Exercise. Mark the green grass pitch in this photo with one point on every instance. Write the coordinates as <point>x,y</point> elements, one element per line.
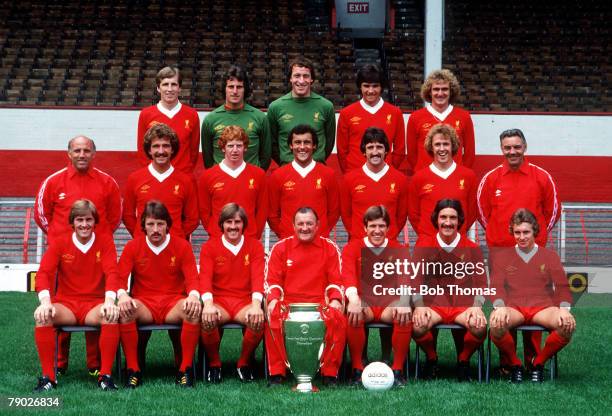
<point>584,385</point>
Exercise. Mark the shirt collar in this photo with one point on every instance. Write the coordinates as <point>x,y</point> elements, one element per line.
<point>526,256</point>
<point>296,242</point>
<point>235,249</point>
<point>375,249</point>
<point>303,171</point>
<point>524,168</point>
<point>234,173</point>
<point>72,171</point>
<point>156,249</point>
<point>169,113</point>
<point>375,176</point>
<point>84,248</point>
<point>448,247</point>
<point>160,176</point>
<point>440,116</point>
<point>443,174</point>
<point>372,109</point>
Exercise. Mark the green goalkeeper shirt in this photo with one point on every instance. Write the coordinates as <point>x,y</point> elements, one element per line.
<point>252,120</point>
<point>287,112</point>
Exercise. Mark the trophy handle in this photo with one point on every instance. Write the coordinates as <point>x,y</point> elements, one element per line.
<point>339,289</point>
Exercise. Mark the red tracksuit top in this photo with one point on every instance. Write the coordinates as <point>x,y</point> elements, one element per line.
<point>79,275</point>
<point>419,124</point>
<point>427,188</point>
<point>359,191</point>
<point>502,191</point>
<point>249,190</point>
<point>186,125</point>
<point>177,192</point>
<point>303,270</point>
<point>59,191</point>
<point>171,272</point>
<point>353,122</point>
<point>227,275</point>
<point>288,192</point>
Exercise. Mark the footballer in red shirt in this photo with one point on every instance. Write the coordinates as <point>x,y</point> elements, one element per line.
<point>303,182</point>
<point>532,290</point>
<point>181,118</point>
<point>442,179</point>
<point>370,111</point>
<point>440,90</point>
<point>161,181</point>
<point>305,268</point>
<point>449,246</point>
<point>233,180</point>
<point>231,283</point>
<point>375,183</point>
<point>164,290</point>
<point>376,222</point>
<point>85,267</point>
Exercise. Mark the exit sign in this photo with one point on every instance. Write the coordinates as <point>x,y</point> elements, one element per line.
<point>358,8</point>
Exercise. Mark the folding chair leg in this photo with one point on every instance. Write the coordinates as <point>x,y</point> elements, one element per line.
<point>488,361</point>
<point>416,362</point>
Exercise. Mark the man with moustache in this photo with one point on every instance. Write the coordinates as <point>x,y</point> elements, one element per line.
<point>449,246</point>
<point>303,182</point>
<point>231,283</point>
<point>236,112</point>
<point>181,118</point>
<point>301,106</point>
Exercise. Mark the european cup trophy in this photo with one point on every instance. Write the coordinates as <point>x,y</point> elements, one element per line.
<point>304,333</point>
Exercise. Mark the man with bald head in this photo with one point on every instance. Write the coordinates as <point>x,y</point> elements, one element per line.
<point>55,197</point>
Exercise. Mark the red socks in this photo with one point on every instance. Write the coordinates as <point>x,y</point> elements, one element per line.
<point>190,335</point>
<point>507,348</point>
<point>400,342</point>
<point>427,343</point>
<point>212,340</point>
<point>554,343</point>
<point>356,339</point>
<point>92,341</point>
<point>470,344</point>
<point>129,340</point>
<point>63,349</point>
<point>109,340</point>
<point>44,336</point>
<point>250,341</point>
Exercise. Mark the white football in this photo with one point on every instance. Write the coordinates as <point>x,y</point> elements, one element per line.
<point>377,376</point>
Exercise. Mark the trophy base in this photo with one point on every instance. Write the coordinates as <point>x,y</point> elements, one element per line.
<point>305,388</point>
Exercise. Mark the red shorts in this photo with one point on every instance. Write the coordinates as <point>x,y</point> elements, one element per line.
<point>528,312</point>
<point>377,311</point>
<point>448,313</point>
<point>160,306</point>
<point>80,307</point>
<point>232,304</point>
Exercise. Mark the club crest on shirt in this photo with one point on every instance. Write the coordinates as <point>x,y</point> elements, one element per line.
<point>318,186</point>
<point>173,261</point>
<point>246,260</point>
<point>289,186</point>
<point>219,260</point>
<point>457,122</point>
<point>142,261</point>
<point>543,268</point>
<point>98,257</point>
<point>315,117</point>
<point>176,189</point>
<point>61,196</point>
<point>219,127</point>
<point>462,184</point>
<point>250,126</point>
<point>511,270</point>
<point>187,127</point>
<point>218,186</point>
<point>426,126</point>
<point>287,118</point>
<point>389,116</point>
<point>498,192</point>
<point>67,258</point>
<point>289,262</point>
<point>144,189</point>
<point>355,120</point>
<point>392,188</point>
<point>360,189</point>
<point>427,188</point>
<point>251,183</point>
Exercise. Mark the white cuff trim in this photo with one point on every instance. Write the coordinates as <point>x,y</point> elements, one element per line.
<point>110,294</point>
<point>43,294</point>
<point>194,293</point>
<point>207,296</point>
<point>257,296</point>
